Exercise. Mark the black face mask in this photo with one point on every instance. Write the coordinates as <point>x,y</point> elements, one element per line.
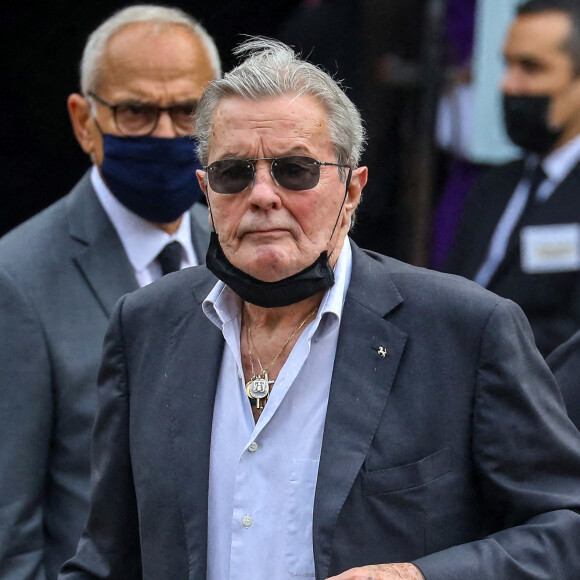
<point>317,277</point>
<point>526,122</point>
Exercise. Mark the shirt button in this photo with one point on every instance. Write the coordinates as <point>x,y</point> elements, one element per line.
<point>253,446</point>
<point>247,521</point>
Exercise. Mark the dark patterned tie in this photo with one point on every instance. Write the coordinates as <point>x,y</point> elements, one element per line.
<point>169,258</point>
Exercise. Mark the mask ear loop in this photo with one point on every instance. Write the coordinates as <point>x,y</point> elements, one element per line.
<point>349,177</point>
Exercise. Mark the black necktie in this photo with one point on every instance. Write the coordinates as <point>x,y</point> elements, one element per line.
<point>537,177</point>
<point>169,258</point>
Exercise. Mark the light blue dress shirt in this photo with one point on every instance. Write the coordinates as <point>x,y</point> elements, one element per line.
<point>263,475</point>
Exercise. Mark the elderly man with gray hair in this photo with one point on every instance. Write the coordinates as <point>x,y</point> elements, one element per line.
<point>300,407</point>
<point>135,215</point>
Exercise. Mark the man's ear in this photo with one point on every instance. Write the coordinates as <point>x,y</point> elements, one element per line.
<point>200,174</point>
<point>82,122</point>
<point>358,180</point>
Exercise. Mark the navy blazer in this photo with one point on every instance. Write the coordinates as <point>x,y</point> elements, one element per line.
<point>454,451</point>
<point>551,301</point>
<point>61,273</point>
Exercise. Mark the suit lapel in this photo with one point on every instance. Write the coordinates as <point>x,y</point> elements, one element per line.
<point>361,383</point>
<point>101,257</point>
<point>192,371</point>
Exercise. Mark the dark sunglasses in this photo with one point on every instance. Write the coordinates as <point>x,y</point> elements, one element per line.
<point>294,172</point>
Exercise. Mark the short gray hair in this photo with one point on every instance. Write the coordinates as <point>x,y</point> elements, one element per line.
<point>273,69</point>
<point>96,45</point>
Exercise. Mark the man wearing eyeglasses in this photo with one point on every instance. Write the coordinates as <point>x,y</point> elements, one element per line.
<point>142,75</point>
<point>303,408</point>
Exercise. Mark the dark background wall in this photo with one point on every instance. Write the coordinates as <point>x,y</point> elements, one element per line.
<point>42,43</point>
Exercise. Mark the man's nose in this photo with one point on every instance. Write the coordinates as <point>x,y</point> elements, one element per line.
<point>511,83</point>
<point>264,191</point>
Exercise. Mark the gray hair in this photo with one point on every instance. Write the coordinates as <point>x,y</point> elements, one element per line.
<point>273,69</point>
<point>90,67</point>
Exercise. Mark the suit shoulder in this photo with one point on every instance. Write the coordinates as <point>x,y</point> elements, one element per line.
<point>50,225</point>
<point>42,223</point>
<point>41,248</point>
<point>439,290</point>
<point>35,240</point>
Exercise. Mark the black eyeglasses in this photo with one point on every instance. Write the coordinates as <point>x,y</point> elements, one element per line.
<point>294,172</point>
<point>140,119</point>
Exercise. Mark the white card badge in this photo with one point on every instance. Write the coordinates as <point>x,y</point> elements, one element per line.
<point>551,248</point>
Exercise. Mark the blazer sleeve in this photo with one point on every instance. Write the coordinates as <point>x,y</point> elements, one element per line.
<point>565,364</point>
<point>109,546</point>
<point>25,432</point>
<point>527,454</point>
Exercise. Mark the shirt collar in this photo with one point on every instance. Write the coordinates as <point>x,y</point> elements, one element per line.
<point>222,304</point>
<point>141,239</point>
<point>559,163</point>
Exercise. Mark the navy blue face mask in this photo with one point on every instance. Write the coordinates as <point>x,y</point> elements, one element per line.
<point>153,177</point>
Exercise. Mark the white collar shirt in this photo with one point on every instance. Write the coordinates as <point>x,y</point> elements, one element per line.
<point>141,239</point>
<point>558,166</point>
<point>263,475</point>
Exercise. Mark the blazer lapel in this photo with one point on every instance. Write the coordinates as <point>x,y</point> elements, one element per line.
<point>367,357</point>
<point>192,370</point>
<point>101,257</point>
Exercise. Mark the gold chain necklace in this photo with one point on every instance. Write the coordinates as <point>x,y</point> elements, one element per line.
<point>258,387</point>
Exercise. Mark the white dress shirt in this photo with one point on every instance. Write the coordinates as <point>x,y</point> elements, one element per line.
<point>141,239</point>
<point>263,475</point>
<point>556,166</point>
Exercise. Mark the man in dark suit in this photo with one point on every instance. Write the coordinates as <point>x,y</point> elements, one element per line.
<point>565,364</point>
<point>301,407</point>
<point>142,74</point>
<point>519,234</point>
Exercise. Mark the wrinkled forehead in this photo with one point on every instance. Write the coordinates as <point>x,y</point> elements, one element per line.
<point>273,125</point>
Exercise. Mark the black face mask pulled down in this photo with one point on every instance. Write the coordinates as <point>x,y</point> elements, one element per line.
<point>526,122</point>
<point>317,277</point>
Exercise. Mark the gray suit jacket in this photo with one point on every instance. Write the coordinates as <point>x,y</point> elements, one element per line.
<point>565,364</point>
<point>60,276</point>
<point>453,451</point>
